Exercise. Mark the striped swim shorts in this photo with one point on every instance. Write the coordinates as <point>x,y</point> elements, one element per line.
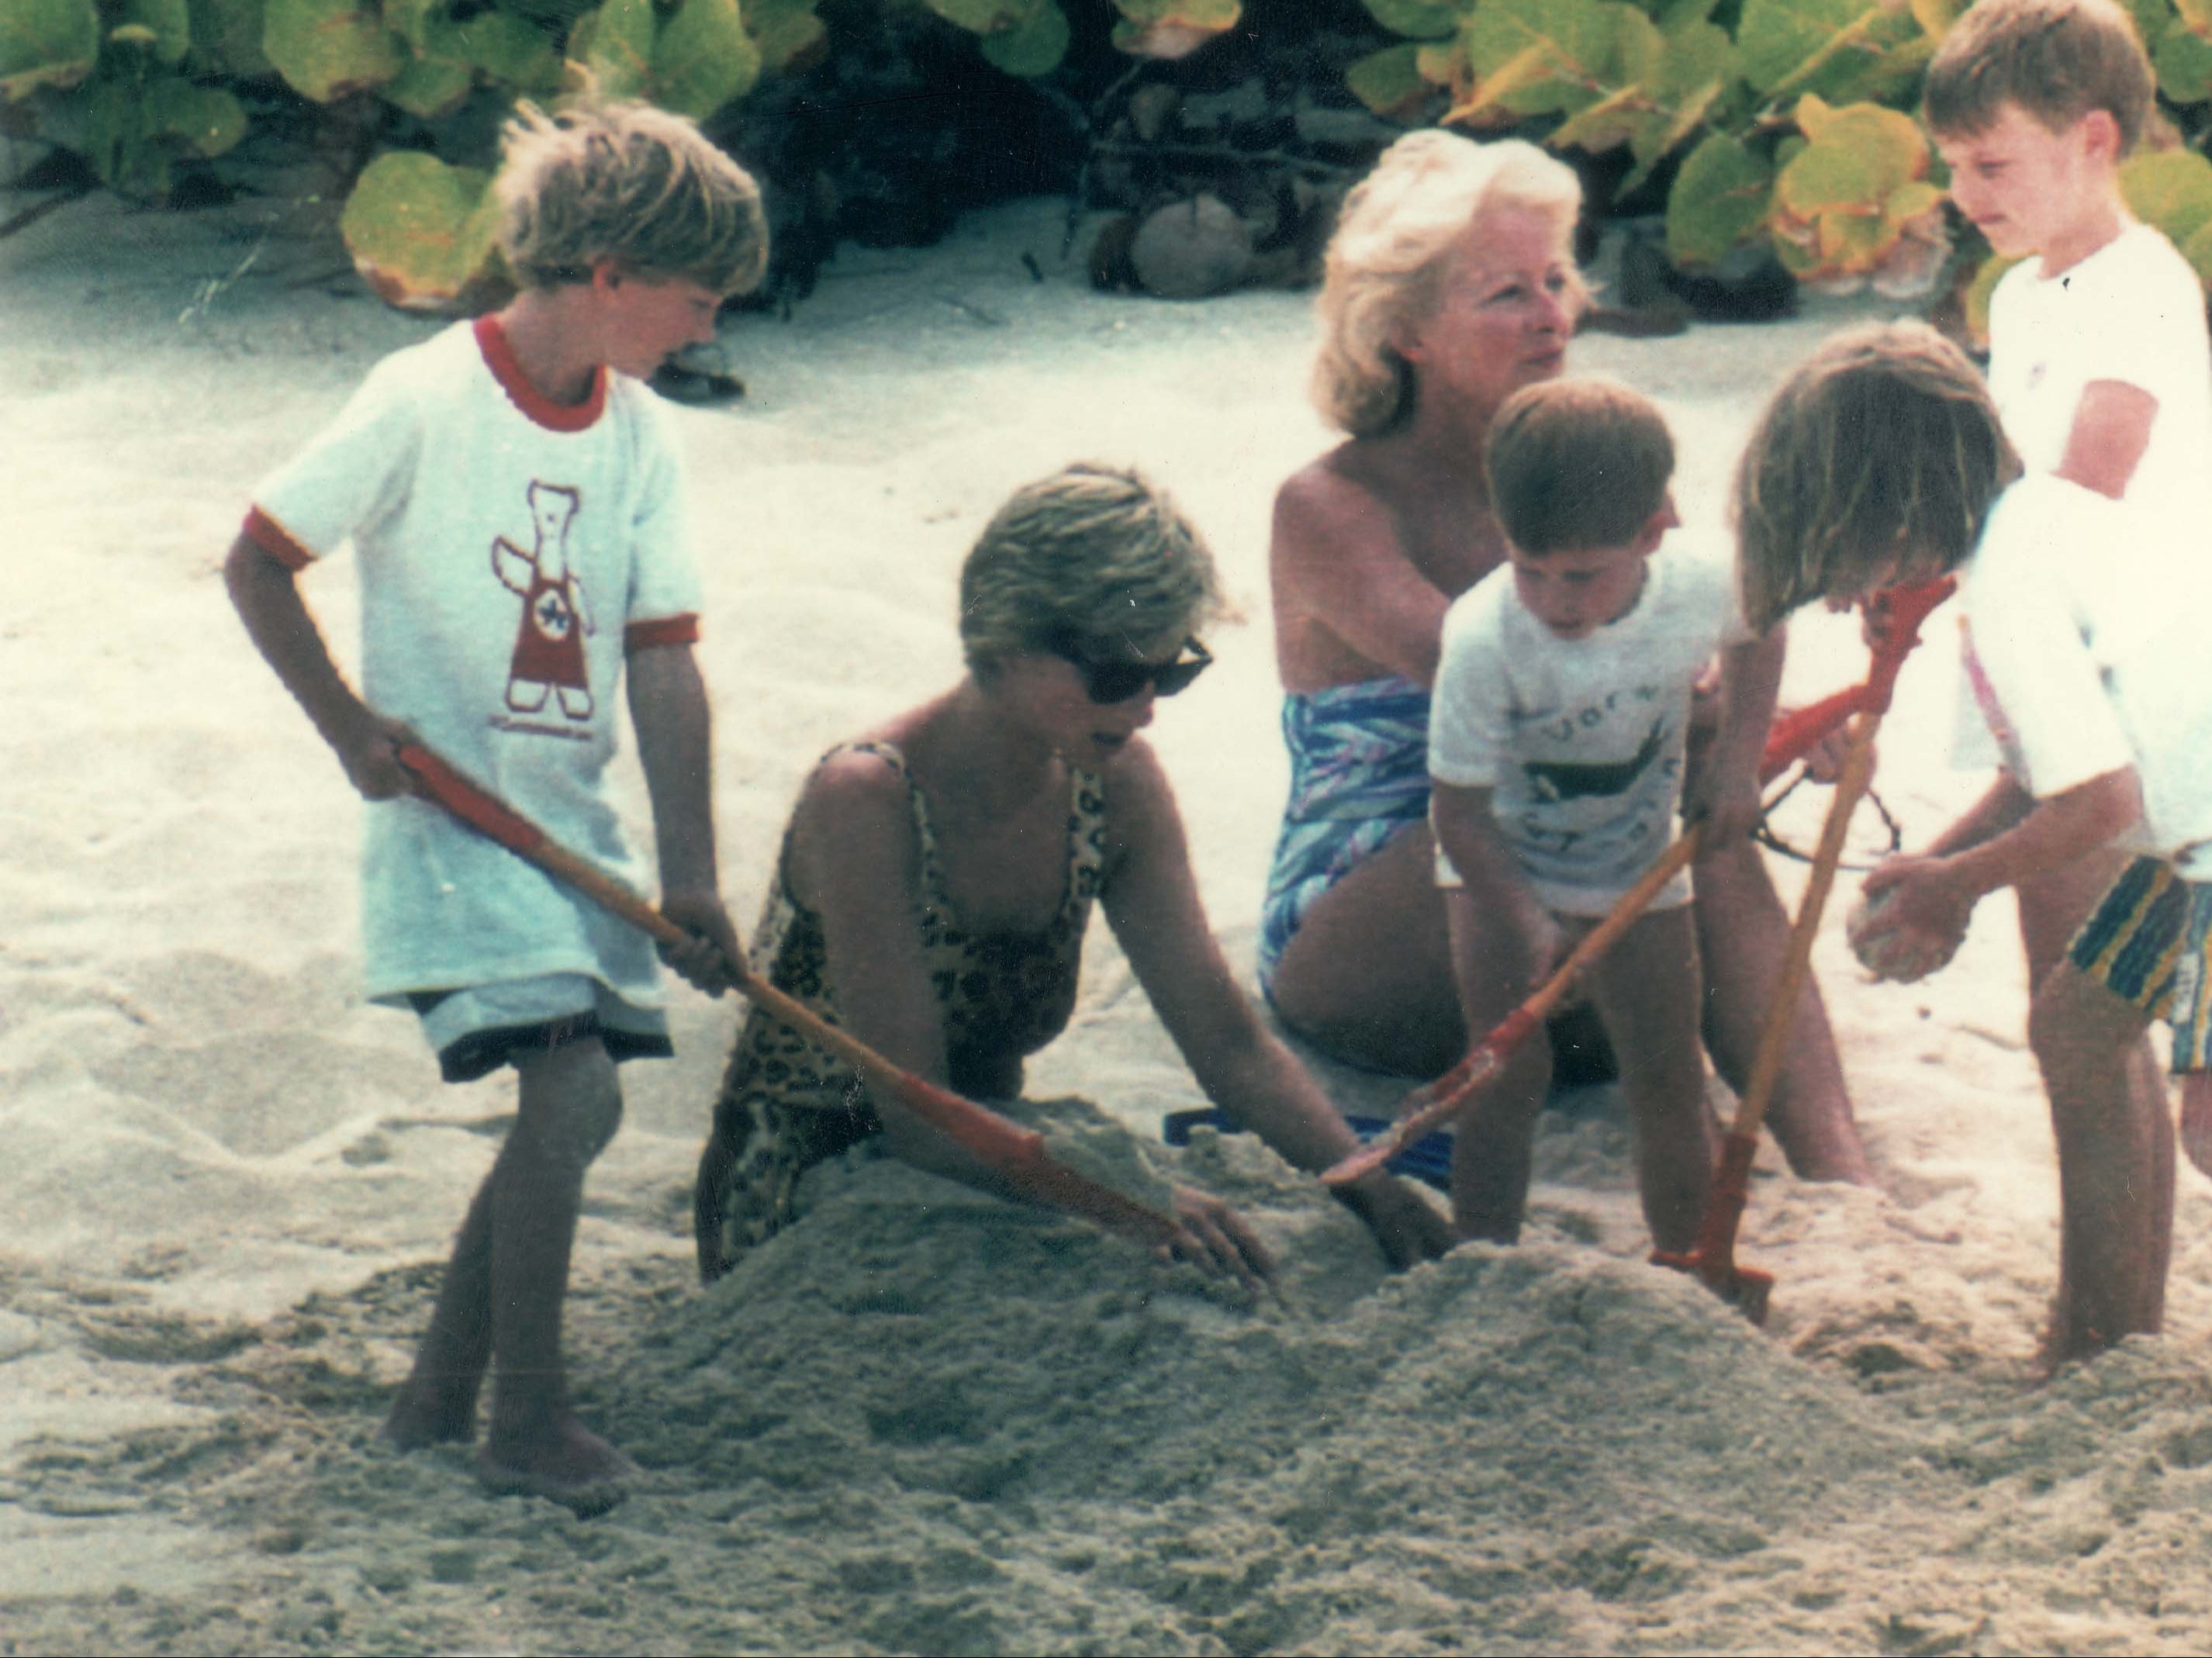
<point>2147,944</point>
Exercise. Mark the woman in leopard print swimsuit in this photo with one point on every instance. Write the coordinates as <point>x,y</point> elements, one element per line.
<point>937,876</point>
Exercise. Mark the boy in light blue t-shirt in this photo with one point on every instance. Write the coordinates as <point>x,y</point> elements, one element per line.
<point>514,498</point>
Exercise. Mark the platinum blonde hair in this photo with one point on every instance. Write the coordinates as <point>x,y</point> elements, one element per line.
<point>1386,261</point>
<point>629,183</point>
<point>1097,557</point>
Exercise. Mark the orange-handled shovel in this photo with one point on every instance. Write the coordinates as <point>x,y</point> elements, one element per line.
<point>1898,614</point>
<point>1437,1101</point>
<point>1017,1153</point>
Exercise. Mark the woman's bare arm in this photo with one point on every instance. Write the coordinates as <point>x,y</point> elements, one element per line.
<point>1337,564</point>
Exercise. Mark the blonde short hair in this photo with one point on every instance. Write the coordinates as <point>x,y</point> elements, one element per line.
<point>1575,464</point>
<point>2057,59</point>
<point>628,183</point>
<point>1883,445</point>
<point>1386,260</point>
<point>1094,558</point>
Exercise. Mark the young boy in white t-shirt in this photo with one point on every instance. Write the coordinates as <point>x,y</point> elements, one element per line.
<point>1881,460</point>
<point>1556,746</point>
<point>514,497</point>
<point>2099,357</point>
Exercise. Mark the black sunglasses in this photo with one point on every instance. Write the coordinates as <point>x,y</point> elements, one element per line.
<point>1117,679</point>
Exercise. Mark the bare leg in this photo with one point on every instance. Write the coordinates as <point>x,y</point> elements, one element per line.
<point>2196,1119</point>
<point>571,1105</point>
<point>1647,990</point>
<point>2115,1165</point>
<point>1369,976</point>
<point>438,1403</point>
<point>1743,932</point>
<point>1494,966</point>
<point>504,1287</point>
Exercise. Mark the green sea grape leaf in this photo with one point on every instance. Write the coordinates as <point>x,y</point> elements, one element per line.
<point>1033,48</point>
<point>1720,197</point>
<point>509,49</point>
<point>46,43</point>
<point>1857,156</point>
<point>1388,82</point>
<point>784,30</point>
<point>2198,251</point>
<point>983,16</point>
<point>703,59</point>
<point>1841,49</point>
<point>412,21</point>
<point>2169,190</point>
<point>325,49</point>
<point>1936,16</point>
<point>227,37</point>
<point>206,120</point>
<point>2183,59</point>
<point>1538,57</point>
<point>1171,29</point>
<point>1417,19</point>
<point>168,24</point>
<point>428,87</point>
<point>617,43</point>
<point>421,233</point>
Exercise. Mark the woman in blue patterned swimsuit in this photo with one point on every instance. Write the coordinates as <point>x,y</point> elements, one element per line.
<point>1451,284</point>
<point>937,877</point>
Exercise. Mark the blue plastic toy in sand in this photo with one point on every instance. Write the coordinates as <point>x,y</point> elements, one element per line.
<point>1427,1159</point>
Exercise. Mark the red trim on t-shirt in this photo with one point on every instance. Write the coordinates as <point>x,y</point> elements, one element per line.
<point>274,539</point>
<point>661,630</point>
<point>499,357</point>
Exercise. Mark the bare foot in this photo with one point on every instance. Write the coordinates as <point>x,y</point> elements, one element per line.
<point>563,1461</point>
<point>433,1413</point>
<point>2197,1118</point>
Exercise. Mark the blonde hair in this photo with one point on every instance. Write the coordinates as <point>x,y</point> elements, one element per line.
<point>628,183</point>
<point>1881,454</point>
<point>1094,558</point>
<point>1386,261</point>
<point>2057,59</point>
<point>1575,464</point>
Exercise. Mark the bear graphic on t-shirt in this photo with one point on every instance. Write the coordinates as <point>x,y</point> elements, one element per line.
<point>549,642</point>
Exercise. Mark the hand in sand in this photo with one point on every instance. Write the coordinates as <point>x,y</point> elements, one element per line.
<point>711,962</point>
<point>2197,1118</point>
<point>1928,909</point>
<point>1216,1239</point>
<point>1409,1230</point>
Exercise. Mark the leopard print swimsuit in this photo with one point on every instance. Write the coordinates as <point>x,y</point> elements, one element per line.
<point>786,1105</point>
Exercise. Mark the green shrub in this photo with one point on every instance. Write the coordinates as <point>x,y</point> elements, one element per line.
<point>1784,123</point>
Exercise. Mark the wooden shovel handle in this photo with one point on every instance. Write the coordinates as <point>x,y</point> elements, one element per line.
<point>1017,1153</point>
<point>1797,957</point>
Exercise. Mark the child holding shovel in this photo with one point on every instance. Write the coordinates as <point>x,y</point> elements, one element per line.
<point>1881,458</point>
<point>1556,746</point>
<point>513,496</point>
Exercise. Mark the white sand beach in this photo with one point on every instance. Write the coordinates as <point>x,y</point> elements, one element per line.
<point>922,1421</point>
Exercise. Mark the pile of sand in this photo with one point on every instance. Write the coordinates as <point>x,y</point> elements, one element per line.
<point>922,1420</point>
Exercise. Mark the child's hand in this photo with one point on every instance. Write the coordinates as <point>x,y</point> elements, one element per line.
<point>370,752</point>
<point>1725,801</point>
<point>1215,1238</point>
<point>710,961</point>
<point>1927,906</point>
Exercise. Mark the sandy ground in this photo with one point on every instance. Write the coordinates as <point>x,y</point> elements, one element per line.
<point>923,1421</point>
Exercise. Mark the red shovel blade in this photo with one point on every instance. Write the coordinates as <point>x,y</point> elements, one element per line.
<point>1711,1260</point>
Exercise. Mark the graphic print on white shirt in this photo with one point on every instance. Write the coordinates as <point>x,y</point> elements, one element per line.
<point>549,641</point>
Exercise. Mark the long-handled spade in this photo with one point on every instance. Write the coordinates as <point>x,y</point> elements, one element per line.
<point>1712,1257</point>
<point>1900,612</point>
<point>1016,1153</point>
